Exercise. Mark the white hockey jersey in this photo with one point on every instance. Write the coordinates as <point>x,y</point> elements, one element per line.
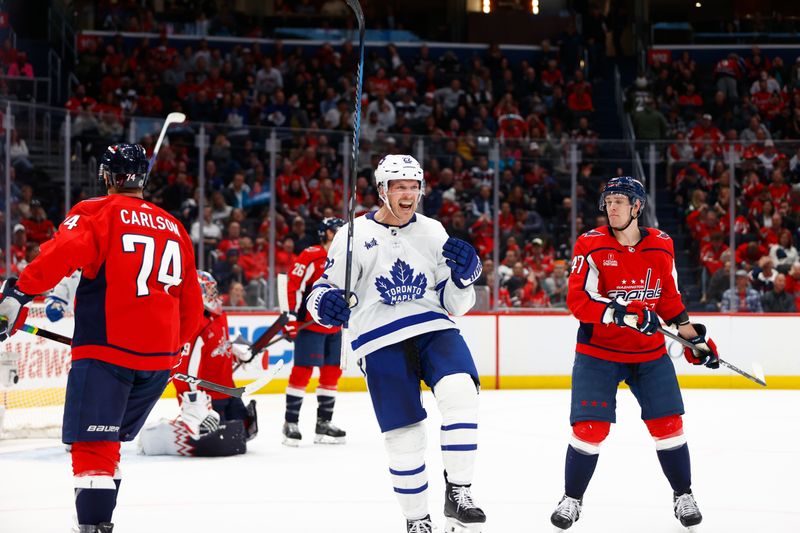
<point>400,278</point>
<point>65,291</point>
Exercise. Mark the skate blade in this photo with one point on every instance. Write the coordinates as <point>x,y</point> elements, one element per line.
<point>327,439</point>
<point>292,443</point>
<point>454,526</point>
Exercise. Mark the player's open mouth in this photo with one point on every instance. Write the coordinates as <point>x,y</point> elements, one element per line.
<point>406,206</point>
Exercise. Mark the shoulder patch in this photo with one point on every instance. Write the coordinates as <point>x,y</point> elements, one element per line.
<point>663,235</point>
<point>593,233</point>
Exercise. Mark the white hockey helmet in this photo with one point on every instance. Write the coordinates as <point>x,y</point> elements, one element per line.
<point>398,167</point>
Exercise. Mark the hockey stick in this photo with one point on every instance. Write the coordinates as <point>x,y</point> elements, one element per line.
<point>172,118</point>
<point>230,391</point>
<point>261,343</point>
<point>351,205</point>
<point>236,392</point>
<point>681,340</point>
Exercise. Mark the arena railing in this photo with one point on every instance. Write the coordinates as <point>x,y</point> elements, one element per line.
<point>557,178</point>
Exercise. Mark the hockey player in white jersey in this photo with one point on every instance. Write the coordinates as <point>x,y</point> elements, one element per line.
<point>409,277</point>
<point>62,298</point>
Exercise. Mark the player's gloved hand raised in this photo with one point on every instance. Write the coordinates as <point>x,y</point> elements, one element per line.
<point>333,309</point>
<point>197,414</point>
<point>12,308</point>
<point>463,261</point>
<point>634,314</point>
<point>54,309</point>
<point>705,351</point>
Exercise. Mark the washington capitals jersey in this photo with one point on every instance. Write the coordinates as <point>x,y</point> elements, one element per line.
<point>138,299</point>
<point>604,270</point>
<point>400,278</point>
<point>208,356</point>
<point>306,270</point>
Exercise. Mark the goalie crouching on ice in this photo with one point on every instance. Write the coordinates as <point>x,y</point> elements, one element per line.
<point>210,424</point>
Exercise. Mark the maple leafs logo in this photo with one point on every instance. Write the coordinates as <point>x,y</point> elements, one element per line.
<point>403,285</point>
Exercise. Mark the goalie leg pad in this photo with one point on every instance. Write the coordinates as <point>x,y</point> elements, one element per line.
<point>406,450</point>
<point>229,439</point>
<point>94,467</point>
<point>457,397</point>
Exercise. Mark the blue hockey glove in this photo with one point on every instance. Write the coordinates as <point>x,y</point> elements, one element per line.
<point>463,261</point>
<point>333,309</point>
<point>54,308</point>
<point>634,314</point>
<point>705,352</point>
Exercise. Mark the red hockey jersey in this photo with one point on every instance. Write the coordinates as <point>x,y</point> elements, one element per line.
<point>603,270</point>
<point>305,271</point>
<point>138,301</point>
<point>208,356</point>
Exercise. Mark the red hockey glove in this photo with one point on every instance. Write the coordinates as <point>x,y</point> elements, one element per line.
<point>290,330</point>
<point>705,351</point>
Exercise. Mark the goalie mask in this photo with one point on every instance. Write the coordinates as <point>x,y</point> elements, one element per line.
<point>124,166</point>
<point>208,288</point>
<point>398,167</point>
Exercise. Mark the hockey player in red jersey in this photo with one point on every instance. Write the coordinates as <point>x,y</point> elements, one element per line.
<point>137,303</point>
<point>210,424</point>
<point>315,345</point>
<point>622,280</point>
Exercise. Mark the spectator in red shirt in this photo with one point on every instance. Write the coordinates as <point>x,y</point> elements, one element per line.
<point>231,240</point>
<point>711,253</point>
<point>284,256</point>
<point>307,166</point>
<point>537,260</point>
<point>253,263</point>
<point>748,254</point>
<point>19,242</point>
<point>580,101</point>
<point>778,189</point>
<point>690,102</point>
<point>705,126</point>
<point>533,295</point>
<point>38,227</point>
<point>235,296</point>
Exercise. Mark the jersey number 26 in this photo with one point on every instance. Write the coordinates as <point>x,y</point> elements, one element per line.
<point>169,266</point>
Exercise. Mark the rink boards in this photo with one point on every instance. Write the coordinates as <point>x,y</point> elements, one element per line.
<point>512,351</point>
<point>535,350</point>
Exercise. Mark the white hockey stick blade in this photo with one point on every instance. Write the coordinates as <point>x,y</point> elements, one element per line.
<point>172,118</point>
<point>282,284</point>
<point>261,382</point>
<point>758,371</point>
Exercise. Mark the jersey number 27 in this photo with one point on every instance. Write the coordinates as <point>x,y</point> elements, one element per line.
<point>169,266</point>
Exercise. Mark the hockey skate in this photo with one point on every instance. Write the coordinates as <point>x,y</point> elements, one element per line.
<point>423,525</point>
<point>291,434</point>
<point>462,515</point>
<point>686,510</point>
<point>103,527</point>
<point>567,513</point>
<point>327,433</point>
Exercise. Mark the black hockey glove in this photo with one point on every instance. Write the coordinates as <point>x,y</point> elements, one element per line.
<point>12,308</point>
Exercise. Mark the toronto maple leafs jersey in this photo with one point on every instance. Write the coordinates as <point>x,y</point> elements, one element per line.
<point>604,270</point>
<point>400,278</point>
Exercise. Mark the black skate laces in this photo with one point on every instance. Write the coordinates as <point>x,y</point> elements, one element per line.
<point>568,508</point>
<point>685,505</point>
<point>463,497</point>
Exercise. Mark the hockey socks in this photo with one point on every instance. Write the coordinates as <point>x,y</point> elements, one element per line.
<point>326,392</point>
<point>582,454</point>
<point>406,450</point>
<point>672,450</point>
<point>96,480</point>
<point>677,467</point>
<point>578,471</point>
<point>457,397</point>
<point>294,401</point>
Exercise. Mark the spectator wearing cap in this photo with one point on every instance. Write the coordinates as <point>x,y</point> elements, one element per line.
<point>742,298</point>
<point>778,300</point>
<point>38,227</point>
<point>19,242</point>
<point>536,259</point>
<point>762,277</point>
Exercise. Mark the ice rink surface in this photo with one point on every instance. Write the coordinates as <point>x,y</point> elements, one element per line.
<point>745,449</point>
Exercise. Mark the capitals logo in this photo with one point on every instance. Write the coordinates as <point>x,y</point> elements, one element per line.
<point>637,289</point>
<point>403,286</point>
